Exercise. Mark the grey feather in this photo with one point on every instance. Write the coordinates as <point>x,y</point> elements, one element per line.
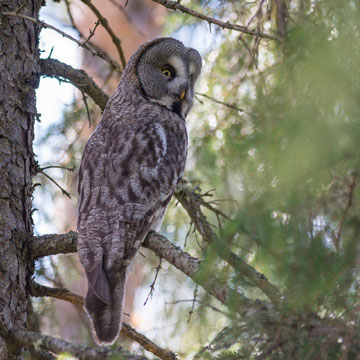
<point>129,171</point>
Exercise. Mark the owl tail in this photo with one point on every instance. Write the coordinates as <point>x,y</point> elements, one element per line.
<point>106,317</point>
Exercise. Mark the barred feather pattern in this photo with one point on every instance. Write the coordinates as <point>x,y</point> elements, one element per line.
<point>129,170</point>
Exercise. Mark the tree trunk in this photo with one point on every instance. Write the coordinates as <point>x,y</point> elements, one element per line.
<point>19,78</point>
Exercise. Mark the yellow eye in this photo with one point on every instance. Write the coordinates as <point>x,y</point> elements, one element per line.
<point>166,72</point>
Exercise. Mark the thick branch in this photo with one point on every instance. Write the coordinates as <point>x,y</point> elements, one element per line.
<point>126,330</point>
<point>192,202</point>
<point>79,78</point>
<point>175,5</point>
<point>53,244</point>
<point>42,342</point>
<point>190,266</point>
<point>43,24</point>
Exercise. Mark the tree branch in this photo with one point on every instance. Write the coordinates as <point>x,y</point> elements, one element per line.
<point>38,290</point>
<point>147,344</point>
<point>116,41</point>
<point>231,106</point>
<point>43,24</point>
<point>79,78</point>
<point>175,5</point>
<point>53,244</point>
<point>64,192</point>
<point>86,39</point>
<point>65,243</point>
<point>38,341</point>
<point>192,201</point>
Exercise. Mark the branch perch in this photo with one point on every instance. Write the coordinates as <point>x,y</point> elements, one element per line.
<point>38,290</point>
<point>66,243</point>
<point>43,342</point>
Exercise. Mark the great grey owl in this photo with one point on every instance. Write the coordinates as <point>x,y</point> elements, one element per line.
<point>129,170</point>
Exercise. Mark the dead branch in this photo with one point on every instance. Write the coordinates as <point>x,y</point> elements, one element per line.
<point>152,286</point>
<point>92,32</point>
<point>58,167</point>
<point>64,192</point>
<point>116,41</point>
<point>43,24</point>
<point>175,5</point>
<point>231,106</point>
<point>79,78</point>
<point>82,36</point>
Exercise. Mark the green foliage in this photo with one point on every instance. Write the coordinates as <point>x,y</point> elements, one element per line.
<point>277,135</point>
<point>289,164</point>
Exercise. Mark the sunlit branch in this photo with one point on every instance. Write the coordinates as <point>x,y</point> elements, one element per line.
<point>175,5</point>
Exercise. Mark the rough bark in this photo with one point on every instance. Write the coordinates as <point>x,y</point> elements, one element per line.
<point>18,81</point>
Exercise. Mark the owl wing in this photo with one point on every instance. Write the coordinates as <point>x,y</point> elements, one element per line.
<point>127,178</point>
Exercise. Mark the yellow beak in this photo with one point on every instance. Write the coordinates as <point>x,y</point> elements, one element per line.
<point>182,95</point>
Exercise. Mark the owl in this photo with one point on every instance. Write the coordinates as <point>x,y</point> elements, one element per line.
<point>129,170</point>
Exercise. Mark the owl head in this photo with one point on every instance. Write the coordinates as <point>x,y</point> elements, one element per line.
<point>165,71</point>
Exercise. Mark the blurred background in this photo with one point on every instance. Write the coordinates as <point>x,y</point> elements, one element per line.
<point>274,143</point>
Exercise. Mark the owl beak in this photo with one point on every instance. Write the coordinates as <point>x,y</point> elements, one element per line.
<point>182,95</point>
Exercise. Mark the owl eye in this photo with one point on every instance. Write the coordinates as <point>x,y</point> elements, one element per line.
<point>167,72</point>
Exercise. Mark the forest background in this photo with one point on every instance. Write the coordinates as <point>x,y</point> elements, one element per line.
<point>266,223</point>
